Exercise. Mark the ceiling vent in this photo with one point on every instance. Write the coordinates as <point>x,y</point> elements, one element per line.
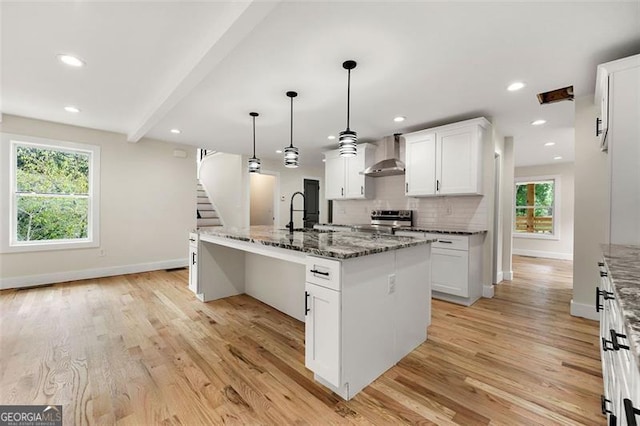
<point>564,94</point>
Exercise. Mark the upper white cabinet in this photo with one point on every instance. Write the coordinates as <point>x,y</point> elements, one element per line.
<point>619,83</point>
<point>342,175</point>
<point>446,160</point>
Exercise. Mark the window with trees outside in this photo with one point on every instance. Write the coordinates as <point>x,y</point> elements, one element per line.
<point>54,195</point>
<point>535,207</point>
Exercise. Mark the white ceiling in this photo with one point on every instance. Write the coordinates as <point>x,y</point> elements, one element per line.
<point>203,66</point>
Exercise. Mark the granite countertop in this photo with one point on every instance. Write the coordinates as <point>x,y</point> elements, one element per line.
<point>623,263</point>
<point>338,245</point>
<point>431,229</point>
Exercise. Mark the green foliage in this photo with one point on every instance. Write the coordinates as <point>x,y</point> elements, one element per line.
<point>52,202</point>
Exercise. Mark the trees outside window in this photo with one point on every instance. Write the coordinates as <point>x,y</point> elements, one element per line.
<point>535,205</point>
<point>53,190</point>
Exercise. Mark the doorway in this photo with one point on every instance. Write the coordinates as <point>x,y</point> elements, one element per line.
<point>311,202</point>
<point>262,189</point>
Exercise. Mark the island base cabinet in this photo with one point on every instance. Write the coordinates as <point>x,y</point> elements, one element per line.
<point>322,332</point>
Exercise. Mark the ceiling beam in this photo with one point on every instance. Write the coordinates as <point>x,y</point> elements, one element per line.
<point>200,64</point>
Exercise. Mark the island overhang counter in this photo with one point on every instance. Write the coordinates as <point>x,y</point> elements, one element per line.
<point>365,299</point>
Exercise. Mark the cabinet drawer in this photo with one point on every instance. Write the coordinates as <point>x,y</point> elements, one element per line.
<point>193,239</point>
<point>453,242</point>
<point>323,272</point>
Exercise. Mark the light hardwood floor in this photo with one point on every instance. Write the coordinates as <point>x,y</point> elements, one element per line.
<point>140,349</point>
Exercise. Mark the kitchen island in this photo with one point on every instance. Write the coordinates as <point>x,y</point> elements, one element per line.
<point>364,298</point>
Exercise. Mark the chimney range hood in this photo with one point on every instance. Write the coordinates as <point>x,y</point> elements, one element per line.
<point>391,166</point>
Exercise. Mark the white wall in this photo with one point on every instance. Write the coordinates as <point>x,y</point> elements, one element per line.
<point>507,208</point>
<point>591,224</point>
<point>562,247</point>
<point>147,209</point>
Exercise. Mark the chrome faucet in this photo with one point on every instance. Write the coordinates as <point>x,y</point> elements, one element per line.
<point>291,210</point>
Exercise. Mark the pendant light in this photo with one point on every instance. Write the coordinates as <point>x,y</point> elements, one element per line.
<point>254,163</point>
<point>348,137</point>
<point>291,152</point>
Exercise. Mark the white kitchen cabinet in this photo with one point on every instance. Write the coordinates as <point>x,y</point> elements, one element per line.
<point>619,83</point>
<point>193,262</point>
<point>420,165</point>
<point>446,160</point>
<point>620,373</point>
<point>322,332</point>
<point>343,180</point>
<point>456,266</point>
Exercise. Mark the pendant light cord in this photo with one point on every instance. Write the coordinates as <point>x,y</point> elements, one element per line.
<point>291,144</point>
<point>348,96</point>
<point>254,137</point>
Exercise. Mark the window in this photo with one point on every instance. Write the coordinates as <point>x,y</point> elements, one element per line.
<point>53,192</point>
<point>536,214</point>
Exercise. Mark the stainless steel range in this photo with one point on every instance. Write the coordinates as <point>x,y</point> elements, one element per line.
<point>387,221</point>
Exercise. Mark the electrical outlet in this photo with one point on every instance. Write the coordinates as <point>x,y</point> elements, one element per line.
<point>102,253</point>
<point>392,284</point>
<point>449,209</point>
<point>282,198</point>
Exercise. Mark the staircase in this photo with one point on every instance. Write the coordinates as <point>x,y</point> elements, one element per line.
<point>206,214</point>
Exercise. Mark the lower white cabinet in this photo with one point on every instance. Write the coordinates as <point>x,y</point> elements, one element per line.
<point>620,373</point>
<point>456,266</point>
<point>193,262</point>
<point>322,332</point>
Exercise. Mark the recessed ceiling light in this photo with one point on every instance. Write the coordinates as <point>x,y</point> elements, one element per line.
<point>399,119</point>
<point>557,157</point>
<point>175,131</point>
<point>516,85</point>
<point>72,61</point>
<point>331,137</point>
<point>538,122</point>
<point>70,108</point>
<point>278,151</point>
<point>549,144</point>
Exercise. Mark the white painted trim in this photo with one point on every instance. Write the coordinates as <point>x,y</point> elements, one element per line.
<point>543,254</point>
<point>508,276</point>
<point>487,291</point>
<point>59,277</point>
<point>499,277</point>
<point>584,311</point>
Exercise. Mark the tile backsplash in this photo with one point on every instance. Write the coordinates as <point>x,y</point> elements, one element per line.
<point>461,211</point>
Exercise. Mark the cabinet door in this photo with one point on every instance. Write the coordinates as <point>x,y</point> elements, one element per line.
<point>322,333</point>
<point>354,181</point>
<point>420,176</point>
<point>193,269</point>
<point>450,271</point>
<point>334,177</point>
<point>603,127</point>
<point>457,168</point>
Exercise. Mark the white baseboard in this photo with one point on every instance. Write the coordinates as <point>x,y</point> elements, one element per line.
<point>587,311</point>
<point>543,254</point>
<point>59,277</point>
<point>499,278</point>
<point>487,291</point>
<point>508,276</point>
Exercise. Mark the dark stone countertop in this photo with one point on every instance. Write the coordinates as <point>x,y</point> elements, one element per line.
<point>452,230</point>
<point>338,245</point>
<point>623,263</point>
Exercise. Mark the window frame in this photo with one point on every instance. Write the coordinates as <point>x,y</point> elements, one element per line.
<point>555,235</point>
<point>9,242</point>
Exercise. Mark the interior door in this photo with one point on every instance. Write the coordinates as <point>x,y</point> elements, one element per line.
<point>311,202</point>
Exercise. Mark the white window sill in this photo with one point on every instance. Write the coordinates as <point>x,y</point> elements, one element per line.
<point>529,236</point>
<point>49,246</point>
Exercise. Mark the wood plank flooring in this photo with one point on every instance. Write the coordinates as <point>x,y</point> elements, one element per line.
<point>140,350</point>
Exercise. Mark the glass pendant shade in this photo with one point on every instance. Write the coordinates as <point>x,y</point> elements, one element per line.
<point>347,143</point>
<point>291,153</point>
<point>291,157</point>
<point>348,138</point>
<point>254,163</point>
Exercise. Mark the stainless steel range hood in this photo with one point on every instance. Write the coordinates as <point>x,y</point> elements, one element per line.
<point>391,165</point>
